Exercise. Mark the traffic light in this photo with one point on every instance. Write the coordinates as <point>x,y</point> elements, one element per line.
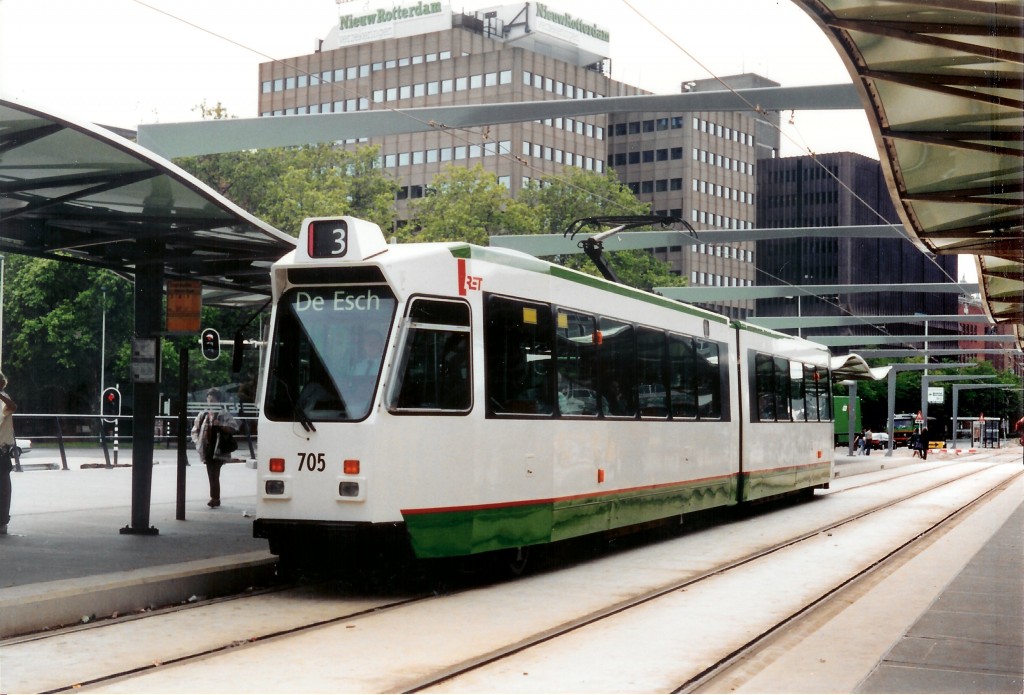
<point>210,340</point>
<point>110,403</point>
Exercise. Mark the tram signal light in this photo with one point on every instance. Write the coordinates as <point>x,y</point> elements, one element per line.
<point>210,342</point>
<point>110,403</point>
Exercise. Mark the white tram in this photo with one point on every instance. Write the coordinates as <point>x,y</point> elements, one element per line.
<point>465,399</point>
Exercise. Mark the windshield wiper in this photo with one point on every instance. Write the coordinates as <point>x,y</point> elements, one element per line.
<point>304,420</point>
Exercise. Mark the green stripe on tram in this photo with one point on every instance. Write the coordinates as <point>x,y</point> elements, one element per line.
<point>761,484</point>
<point>478,530</point>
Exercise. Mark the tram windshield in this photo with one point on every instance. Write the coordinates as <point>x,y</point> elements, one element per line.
<point>327,352</point>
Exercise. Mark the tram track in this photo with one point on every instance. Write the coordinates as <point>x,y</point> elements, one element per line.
<point>346,611</point>
<point>703,681</point>
<point>349,616</point>
<point>664,591</point>
<point>715,670</point>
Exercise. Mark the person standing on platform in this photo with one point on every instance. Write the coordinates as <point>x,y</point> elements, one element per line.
<point>7,444</point>
<point>914,443</point>
<point>924,443</point>
<point>212,433</point>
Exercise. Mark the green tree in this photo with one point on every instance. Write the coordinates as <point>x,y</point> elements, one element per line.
<point>467,204</point>
<point>285,185</point>
<point>53,320</point>
<point>563,198</point>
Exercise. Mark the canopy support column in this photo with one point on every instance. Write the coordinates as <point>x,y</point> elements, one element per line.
<point>149,286</point>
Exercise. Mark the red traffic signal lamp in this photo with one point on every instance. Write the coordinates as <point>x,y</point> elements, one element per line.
<point>210,341</point>
<point>110,403</point>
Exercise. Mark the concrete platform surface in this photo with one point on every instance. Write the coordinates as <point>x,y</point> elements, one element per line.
<point>65,557</point>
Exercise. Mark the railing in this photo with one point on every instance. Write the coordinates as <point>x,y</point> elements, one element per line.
<point>111,432</point>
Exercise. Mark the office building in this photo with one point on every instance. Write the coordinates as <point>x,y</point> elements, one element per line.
<point>838,189</point>
<point>700,166</point>
<point>424,54</point>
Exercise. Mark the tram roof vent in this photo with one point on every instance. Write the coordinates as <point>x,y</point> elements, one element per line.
<point>340,239</point>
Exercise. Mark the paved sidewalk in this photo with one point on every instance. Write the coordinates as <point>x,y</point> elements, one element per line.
<point>66,523</point>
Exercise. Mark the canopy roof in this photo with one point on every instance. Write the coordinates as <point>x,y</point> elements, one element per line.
<point>855,367</point>
<point>77,192</point>
<point>943,87</point>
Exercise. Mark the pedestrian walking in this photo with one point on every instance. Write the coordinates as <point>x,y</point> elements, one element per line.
<point>213,434</point>
<point>7,445</point>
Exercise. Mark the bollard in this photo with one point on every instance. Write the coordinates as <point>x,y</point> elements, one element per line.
<point>60,445</point>
<point>103,443</point>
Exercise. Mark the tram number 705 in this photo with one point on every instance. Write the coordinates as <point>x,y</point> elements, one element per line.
<point>312,462</point>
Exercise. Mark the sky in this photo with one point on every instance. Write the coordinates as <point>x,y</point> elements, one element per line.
<point>126,62</point>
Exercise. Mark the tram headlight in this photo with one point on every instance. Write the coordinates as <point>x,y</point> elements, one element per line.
<point>348,488</point>
<point>274,487</point>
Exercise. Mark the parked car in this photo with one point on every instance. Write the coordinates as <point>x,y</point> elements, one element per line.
<point>21,446</point>
<point>879,440</point>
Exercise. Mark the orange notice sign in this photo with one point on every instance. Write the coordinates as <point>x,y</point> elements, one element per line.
<point>184,305</point>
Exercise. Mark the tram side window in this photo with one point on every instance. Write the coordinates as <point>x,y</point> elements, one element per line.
<point>771,376</point>
<point>650,373</point>
<point>518,357</point>
<point>618,369</point>
<point>576,360</point>
<point>435,370</point>
<point>797,392</point>
<point>682,360</point>
<point>818,397</point>
<point>709,379</point>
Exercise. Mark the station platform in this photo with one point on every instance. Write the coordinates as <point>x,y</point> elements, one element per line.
<point>65,560</point>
